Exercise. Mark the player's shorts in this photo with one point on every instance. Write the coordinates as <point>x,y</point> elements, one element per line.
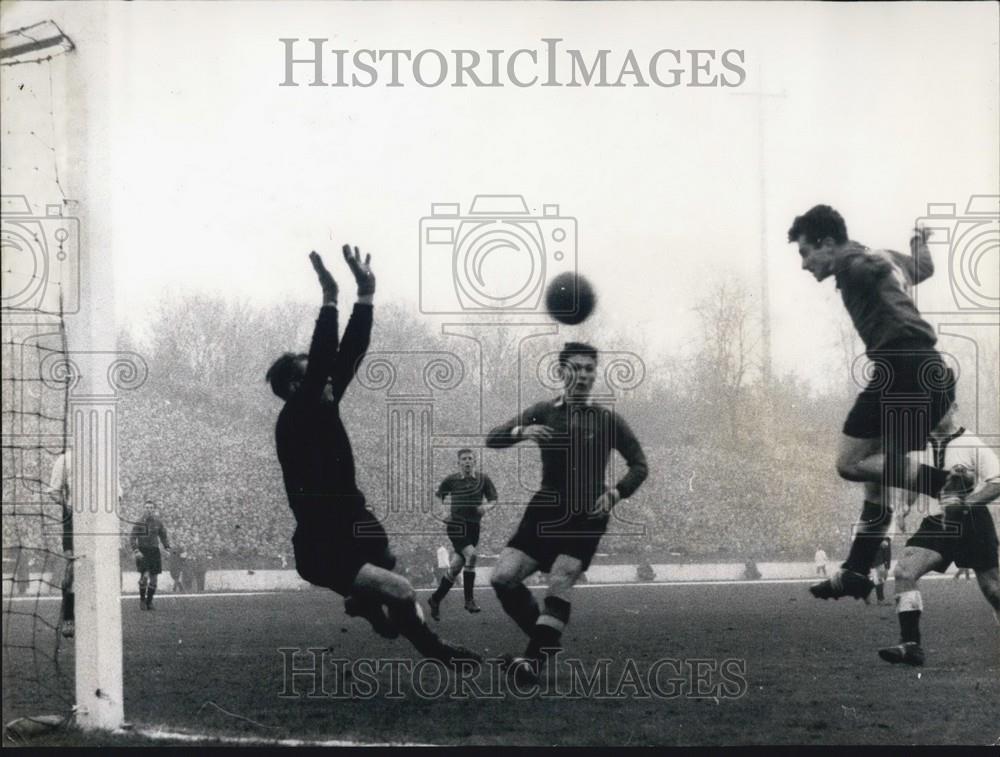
<point>548,530</point>
<point>967,538</point>
<point>462,533</point>
<point>332,554</point>
<point>149,561</point>
<point>910,391</point>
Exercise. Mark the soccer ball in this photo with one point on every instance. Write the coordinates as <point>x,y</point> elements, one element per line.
<point>570,298</point>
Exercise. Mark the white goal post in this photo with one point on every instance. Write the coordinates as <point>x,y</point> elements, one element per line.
<point>40,42</point>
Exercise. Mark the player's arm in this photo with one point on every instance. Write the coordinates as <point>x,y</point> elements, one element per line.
<point>489,493</point>
<point>59,489</point>
<point>629,447</point>
<point>988,471</point>
<point>519,428</point>
<point>133,539</point>
<point>920,255</point>
<point>323,348</point>
<point>163,537</point>
<point>443,490</point>
<point>357,335</point>
<point>635,459</point>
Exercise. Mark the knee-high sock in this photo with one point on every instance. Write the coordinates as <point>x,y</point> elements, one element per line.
<point>519,603</point>
<point>68,605</point>
<point>468,584</point>
<point>909,605</point>
<point>880,591</point>
<point>142,587</point>
<point>443,587</point>
<point>869,532</point>
<point>549,627</point>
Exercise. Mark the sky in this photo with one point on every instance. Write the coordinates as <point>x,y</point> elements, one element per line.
<point>209,176</point>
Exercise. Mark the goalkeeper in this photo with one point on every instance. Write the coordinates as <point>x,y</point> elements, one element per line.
<point>338,541</point>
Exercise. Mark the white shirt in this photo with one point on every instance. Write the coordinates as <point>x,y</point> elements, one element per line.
<point>968,450</point>
<point>821,557</point>
<point>62,472</point>
<point>442,555</point>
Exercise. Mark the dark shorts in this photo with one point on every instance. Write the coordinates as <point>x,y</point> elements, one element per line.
<point>331,554</point>
<point>463,533</point>
<point>149,561</point>
<point>967,538</point>
<point>908,394</point>
<point>548,530</point>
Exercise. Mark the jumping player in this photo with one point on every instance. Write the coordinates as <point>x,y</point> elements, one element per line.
<point>564,521</point>
<point>909,393</point>
<point>467,490</point>
<point>338,542</point>
<point>145,542</point>
<point>958,528</point>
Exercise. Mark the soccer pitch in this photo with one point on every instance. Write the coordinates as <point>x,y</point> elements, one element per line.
<point>685,665</point>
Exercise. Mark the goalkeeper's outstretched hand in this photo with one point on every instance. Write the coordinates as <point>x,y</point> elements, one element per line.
<point>325,279</point>
<point>362,271</point>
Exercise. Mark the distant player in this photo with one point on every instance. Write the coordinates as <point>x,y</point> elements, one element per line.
<point>563,523</point>
<point>145,543</point>
<point>338,542</point>
<point>466,489</point>
<point>958,529</point>
<point>59,488</point>
<point>821,559</point>
<point>883,560</point>
<point>910,390</point>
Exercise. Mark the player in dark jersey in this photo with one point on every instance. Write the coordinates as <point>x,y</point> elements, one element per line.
<point>338,542</point>
<point>564,521</point>
<point>910,390</point>
<point>145,543</point>
<point>467,490</point>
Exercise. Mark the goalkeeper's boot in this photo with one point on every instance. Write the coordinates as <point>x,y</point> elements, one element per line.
<point>472,607</point>
<point>843,583</point>
<point>908,653</point>
<point>526,671</point>
<point>373,613</point>
<point>449,653</point>
<point>68,629</point>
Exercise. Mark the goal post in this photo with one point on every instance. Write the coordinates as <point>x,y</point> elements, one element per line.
<point>92,398</point>
<point>66,256</point>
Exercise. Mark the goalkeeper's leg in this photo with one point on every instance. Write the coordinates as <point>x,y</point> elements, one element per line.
<point>373,583</point>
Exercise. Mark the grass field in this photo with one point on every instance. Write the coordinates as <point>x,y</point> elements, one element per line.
<point>800,671</point>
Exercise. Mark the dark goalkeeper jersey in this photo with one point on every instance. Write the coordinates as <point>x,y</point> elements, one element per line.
<point>575,460</point>
<point>315,453</point>
<point>147,534</point>
<point>876,287</point>
<point>467,494</point>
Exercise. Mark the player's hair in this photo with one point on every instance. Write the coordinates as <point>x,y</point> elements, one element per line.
<point>149,502</point>
<point>283,371</point>
<point>817,224</point>
<point>464,450</point>
<point>576,348</point>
